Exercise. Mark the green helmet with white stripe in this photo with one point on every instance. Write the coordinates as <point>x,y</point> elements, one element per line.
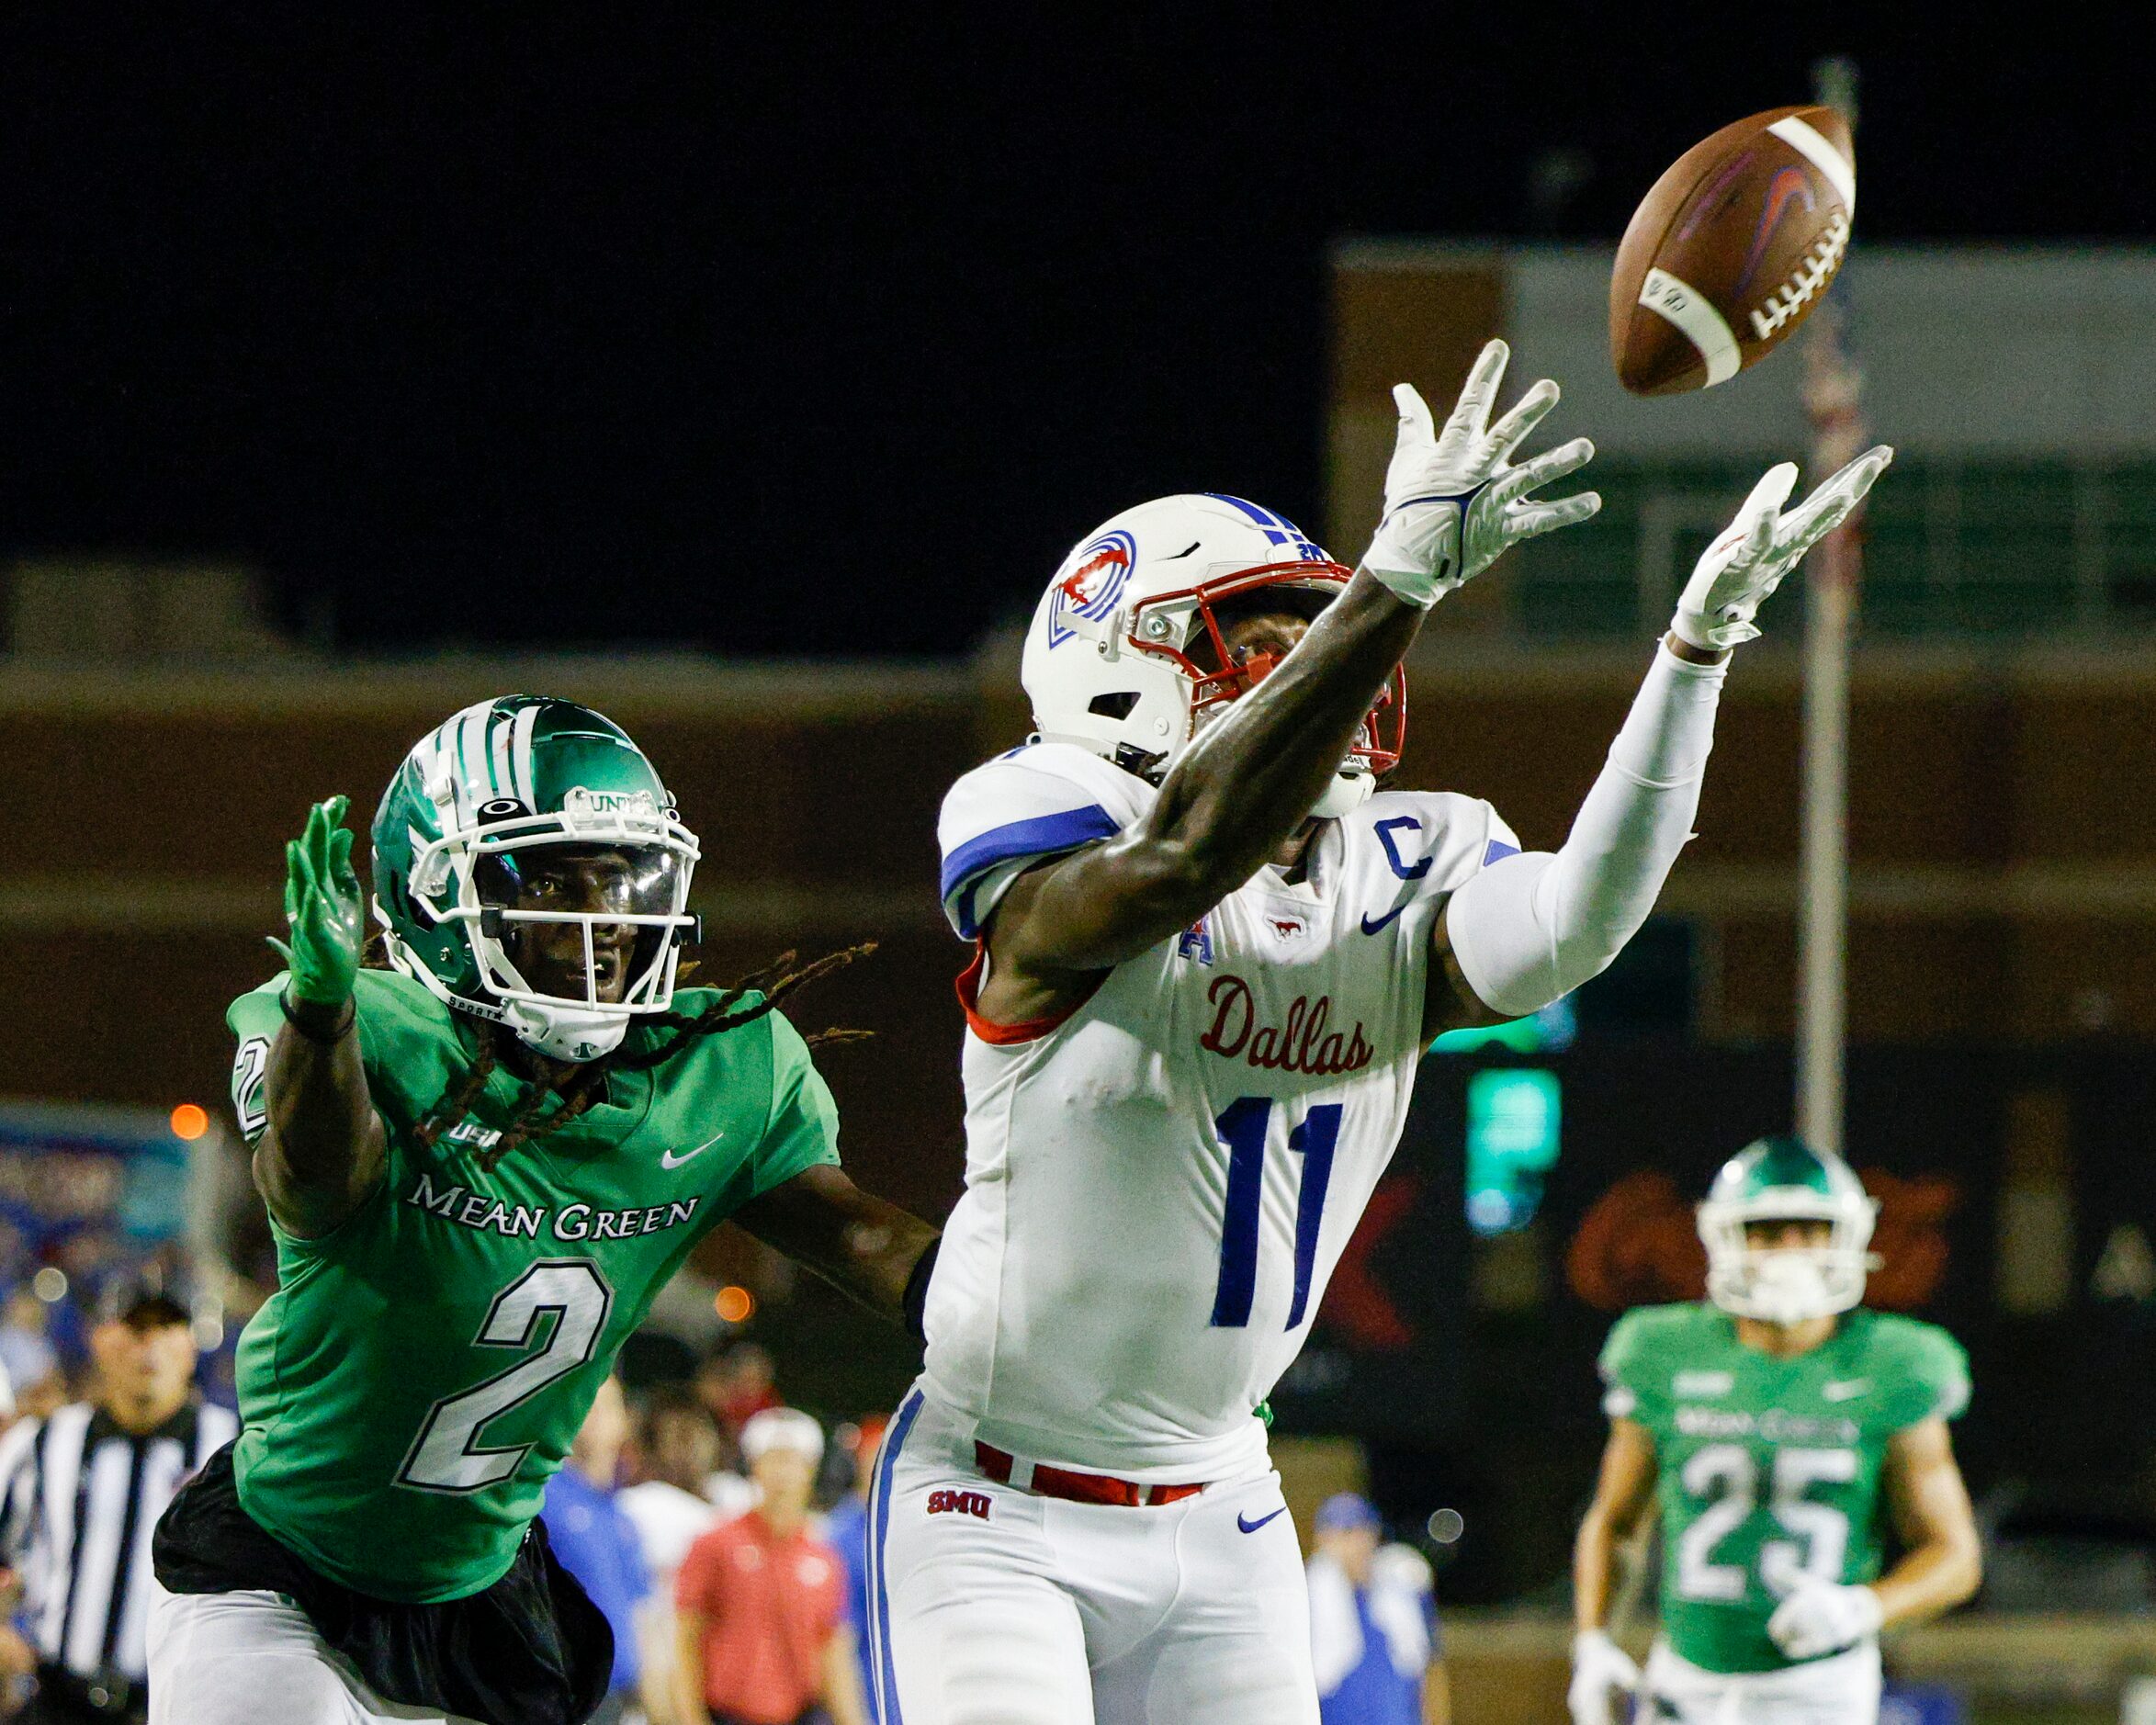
<point>1785,1179</point>
<point>474,805</point>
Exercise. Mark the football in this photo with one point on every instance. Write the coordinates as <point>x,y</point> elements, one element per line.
<point>1731,250</point>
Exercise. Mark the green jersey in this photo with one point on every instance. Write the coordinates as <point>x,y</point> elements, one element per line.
<point>411,1387</point>
<point>1769,1467</point>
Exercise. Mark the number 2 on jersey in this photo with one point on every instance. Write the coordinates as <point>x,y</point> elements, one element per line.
<point>445,1456</point>
<point>1242,1127</point>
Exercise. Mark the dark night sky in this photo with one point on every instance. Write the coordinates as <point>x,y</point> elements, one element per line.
<point>817,337</point>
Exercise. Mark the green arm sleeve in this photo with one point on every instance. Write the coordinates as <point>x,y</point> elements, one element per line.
<point>803,1128</point>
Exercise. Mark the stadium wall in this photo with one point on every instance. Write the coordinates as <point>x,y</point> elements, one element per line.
<point>2004,880</point>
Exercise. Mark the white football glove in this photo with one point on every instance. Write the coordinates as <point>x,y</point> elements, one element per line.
<point>1454,501</point>
<point>1603,1675</point>
<point>1823,1617</point>
<point>1748,560</point>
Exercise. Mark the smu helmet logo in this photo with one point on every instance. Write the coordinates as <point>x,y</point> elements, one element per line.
<point>1098,574</point>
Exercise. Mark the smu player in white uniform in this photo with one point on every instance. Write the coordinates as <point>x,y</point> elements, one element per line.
<point>1210,952</point>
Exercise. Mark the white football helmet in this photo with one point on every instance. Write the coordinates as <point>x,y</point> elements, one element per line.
<point>1109,662</point>
<point>1782,1180</point>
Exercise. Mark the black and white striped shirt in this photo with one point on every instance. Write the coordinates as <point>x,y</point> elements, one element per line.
<point>79,1496</point>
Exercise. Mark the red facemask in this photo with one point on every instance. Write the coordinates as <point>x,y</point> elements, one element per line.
<point>1384,727</point>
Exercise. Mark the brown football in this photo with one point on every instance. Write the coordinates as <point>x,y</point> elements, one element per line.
<point>1731,250</point>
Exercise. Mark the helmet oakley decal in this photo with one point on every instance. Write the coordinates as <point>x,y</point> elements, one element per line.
<point>1097,574</point>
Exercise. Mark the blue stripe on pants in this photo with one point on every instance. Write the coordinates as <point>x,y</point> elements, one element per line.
<point>886,1686</point>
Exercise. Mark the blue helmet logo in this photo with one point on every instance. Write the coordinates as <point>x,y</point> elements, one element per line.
<point>1099,574</point>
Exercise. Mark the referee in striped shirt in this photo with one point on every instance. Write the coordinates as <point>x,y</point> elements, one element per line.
<point>79,1494</point>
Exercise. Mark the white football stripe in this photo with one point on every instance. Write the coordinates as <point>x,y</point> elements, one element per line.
<point>502,784</point>
<point>471,757</point>
<point>1682,304</point>
<point>520,757</point>
<point>1809,141</point>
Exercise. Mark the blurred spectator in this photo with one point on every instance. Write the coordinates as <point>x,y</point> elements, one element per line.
<point>729,1493</point>
<point>761,1600</point>
<point>846,1530</point>
<point>595,1539</point>
<point>1372,1624</point>
<point>79,1494</point>
<point>28,1357</point>
<point>737,1386</point>
<point>670,1460</point>
<point>674,1451</point>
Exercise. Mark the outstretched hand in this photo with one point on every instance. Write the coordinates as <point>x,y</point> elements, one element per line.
<point>323,909</point>
<point>1454,502</point>
<point>1747,561</point>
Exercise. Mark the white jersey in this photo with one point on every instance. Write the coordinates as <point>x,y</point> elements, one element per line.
<point>1158,1186</point>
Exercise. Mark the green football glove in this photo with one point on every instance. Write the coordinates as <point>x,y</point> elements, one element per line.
<point>323,908</point>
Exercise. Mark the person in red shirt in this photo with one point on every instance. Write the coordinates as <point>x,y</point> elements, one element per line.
<point>737,1386</point>
<point>761,1600</point>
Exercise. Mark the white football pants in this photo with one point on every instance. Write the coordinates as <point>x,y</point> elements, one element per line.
<point>1841,1690</point>
<point>990,1606</point>
<point>254,1658</point>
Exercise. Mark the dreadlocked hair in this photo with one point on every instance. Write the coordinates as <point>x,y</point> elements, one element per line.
<point>772,983</point>
<point>457,1099</point>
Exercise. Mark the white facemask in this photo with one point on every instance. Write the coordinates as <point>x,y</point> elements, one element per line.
<point>1788,1287</point>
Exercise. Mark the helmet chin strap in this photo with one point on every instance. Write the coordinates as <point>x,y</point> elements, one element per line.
<point>1343,794</point>
<point>564,1032</point>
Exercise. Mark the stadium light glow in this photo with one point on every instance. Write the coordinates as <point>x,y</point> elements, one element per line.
<point>189,1121</point>
<point>1514,1114</point>
<point>734,1304</point>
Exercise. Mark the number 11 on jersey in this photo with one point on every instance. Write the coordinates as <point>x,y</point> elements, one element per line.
<point>1242,1128</point>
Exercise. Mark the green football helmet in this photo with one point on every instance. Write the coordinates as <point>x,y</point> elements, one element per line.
<point>1784,1179</point>
<point>467,823</point>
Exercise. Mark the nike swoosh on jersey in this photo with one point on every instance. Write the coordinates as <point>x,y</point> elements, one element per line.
<point>1846,1390</point>
<point>1372,927</point>
<point>668,1160</point>
<point>1248,1526</point>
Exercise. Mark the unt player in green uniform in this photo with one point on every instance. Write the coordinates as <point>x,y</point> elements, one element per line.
<point>1774,1426</point>
<point>480,1166</point>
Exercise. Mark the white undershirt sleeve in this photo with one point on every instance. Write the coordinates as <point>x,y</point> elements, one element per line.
<point>1531,929</point>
